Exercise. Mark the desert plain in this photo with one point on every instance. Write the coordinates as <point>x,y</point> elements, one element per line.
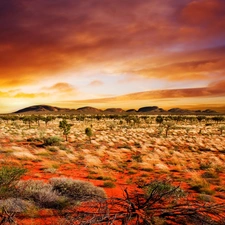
<point>121,152</point>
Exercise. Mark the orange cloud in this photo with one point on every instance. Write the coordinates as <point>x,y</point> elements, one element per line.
<point>191,70</point>
<point>15,94</point>
<point>62,88</point>
<point>216,89</point>
<point>58,89</point>
<point>96,83</point>
<point>68,34</point>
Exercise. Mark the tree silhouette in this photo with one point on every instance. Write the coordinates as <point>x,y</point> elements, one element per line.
<point>159,119</point>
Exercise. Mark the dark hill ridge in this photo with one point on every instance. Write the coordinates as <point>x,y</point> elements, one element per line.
<point>178,110</point>
<point>88,109</point>
<point>154,109</point>
<point>92,110</point>
<point>42,108</point>
<point>131,111</point>
<point>114,110</point>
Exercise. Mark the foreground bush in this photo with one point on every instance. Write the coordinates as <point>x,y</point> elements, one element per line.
<point>58,193</point>
<point>157,202</point>
<point>9,176</point>
<point>15,205</point>
<point>76,189</point>
<point>41,194</point>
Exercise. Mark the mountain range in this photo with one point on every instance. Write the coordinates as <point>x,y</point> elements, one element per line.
<point>46,109</point>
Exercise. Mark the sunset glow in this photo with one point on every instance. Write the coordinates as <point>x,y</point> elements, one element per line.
<point>120,53</point>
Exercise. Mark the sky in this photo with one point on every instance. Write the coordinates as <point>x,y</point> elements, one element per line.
<point>112,53</point>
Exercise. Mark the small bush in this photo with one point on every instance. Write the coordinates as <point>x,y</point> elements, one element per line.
<point>88,132</point>
<point>9,176</point>
<point>52,141</point>
<point>207,191</point>
<point>76,189</point>
<point>201,186</point>
<point>205,198</point>
<point>137,145</point>
<point>137,158</point>
<point>109,184</point>
<point>204,166</point>
<point>15,205</point>
<point>163,188</point>
<point>41,194</point>
<point>105,178</point>
<point>52,149</point>
<point>209,174</point>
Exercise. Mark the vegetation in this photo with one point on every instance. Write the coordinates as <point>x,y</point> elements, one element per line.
<point>65,127</point>
<point>88,132</point>
<point>127,152</point>
<point>157,202</point>
<point>109,184</point>
<point>54,140</point>
<point>9,176</point>
<point>76,189</point>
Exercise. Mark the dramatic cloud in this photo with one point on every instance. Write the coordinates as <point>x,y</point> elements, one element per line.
<point>191,70</point>
<point>214,89</point>
<point>80,43</point>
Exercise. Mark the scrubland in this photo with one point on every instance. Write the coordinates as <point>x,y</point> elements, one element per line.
<point>119,153</point>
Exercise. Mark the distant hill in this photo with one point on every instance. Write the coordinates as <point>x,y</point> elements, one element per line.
<point>114,110</point>
<point>91,110</point>
<point>181,111</point>
<point>41,108</point>
<point>153,109</point>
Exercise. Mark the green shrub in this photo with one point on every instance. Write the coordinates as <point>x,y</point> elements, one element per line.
<point>65,127</point>
<point>54,140</point>
<point>88,132</point>
<point>105,178</point>
<point>108,184</point>
<point>163,188</point>
<point>9,177</point>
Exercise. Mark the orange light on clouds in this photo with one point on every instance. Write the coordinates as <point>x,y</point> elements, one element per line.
<point>59,52</point>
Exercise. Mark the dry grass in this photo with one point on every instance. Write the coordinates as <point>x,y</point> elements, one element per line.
<point>119,150</point>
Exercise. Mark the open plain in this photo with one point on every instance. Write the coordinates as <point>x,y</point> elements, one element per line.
<point>120,152</point>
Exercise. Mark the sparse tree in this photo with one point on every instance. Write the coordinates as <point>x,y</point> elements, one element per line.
<point>201,118</point>
<point>221,129</point>
<point>168,126</point>
<point>218,119</point>
<point>28,119</point>
<point>88,132</point>
<point>47,119</point>
<point>65,127</point>
<point>159,119</point>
